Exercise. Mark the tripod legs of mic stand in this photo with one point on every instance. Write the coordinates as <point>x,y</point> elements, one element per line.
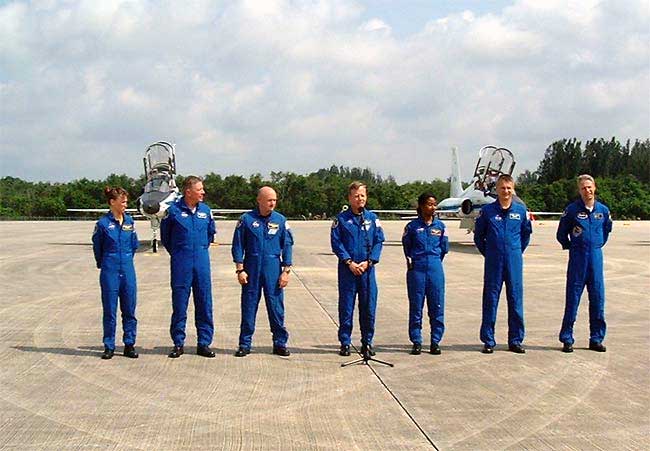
<point>365,358</point>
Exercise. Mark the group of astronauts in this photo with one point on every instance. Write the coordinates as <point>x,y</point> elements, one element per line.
<point>262,253</point>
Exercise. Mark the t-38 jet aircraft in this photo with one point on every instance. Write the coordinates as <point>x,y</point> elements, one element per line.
<point>160,190</point>
<point>465,204</point>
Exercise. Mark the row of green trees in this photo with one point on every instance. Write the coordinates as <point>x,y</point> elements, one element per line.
<point>622,173</point>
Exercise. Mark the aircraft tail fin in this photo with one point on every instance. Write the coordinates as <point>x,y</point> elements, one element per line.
<point>455,187</point>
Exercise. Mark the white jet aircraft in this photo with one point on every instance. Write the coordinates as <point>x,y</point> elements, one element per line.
<point>160,190</point>
<point>465,204</point>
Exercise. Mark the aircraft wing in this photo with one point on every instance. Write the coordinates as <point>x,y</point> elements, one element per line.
<point>546,213</point>
<point>97,210</point>
<point>395,212</point>
<point>132,211</point>
<point>228,211</point>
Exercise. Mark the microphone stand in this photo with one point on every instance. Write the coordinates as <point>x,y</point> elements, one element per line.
<point>366,357</point>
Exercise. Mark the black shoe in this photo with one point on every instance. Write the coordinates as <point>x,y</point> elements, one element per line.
<point>367,349</point>
<point>435,349</point>
<point>205,351</point>
<point>567,347</point>
<point>281,351</point>
<point>129,351</point>
<point>344,351</point>
<point>517,349</point>
<point>598,347</point>
<point>487,349</point>
<point>242,352</point>
<point>176,352</point>
<point>108,353</point>
<point>416,349</point>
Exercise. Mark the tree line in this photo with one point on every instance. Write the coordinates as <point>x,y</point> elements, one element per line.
<point>622,173</point>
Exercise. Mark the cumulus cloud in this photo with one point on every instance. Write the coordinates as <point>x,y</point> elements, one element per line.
<point>297,85</point>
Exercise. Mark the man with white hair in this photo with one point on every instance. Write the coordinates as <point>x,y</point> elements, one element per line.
<point>583,230</point>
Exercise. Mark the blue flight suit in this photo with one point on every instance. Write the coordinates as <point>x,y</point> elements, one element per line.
<point>187,236</point>
<point>425,246</point>
<point>264,246</point>
<point>584,233</point>
<point>114,245</point>
<point>502,236</point>
<point>358,238</point>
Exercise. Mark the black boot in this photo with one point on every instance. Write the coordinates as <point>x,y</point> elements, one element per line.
<point>129,351</point>
<point>108,353</point>
<point>176,352</point>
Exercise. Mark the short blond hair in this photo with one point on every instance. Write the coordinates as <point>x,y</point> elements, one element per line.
<point>583,177</point>
<point>356,185</point>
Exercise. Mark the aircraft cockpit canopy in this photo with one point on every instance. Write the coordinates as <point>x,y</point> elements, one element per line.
<point>159,158</point>
<point>160,182</point>
<point>493,162</point>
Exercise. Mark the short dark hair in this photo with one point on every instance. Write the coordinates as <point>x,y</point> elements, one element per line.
<point>422,199</point>
<point>114,193</point>
<point>190,181</point>
<point>356,185</point>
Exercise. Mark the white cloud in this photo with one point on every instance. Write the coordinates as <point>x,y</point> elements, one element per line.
<point>297,85</point>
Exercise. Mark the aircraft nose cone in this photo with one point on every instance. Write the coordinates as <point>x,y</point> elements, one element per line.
<point>150,206</point>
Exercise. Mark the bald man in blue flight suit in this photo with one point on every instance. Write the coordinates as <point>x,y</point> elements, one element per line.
<point>502,233</point>
<point>583,230</point>
<point>186,232</point>
<point>261,250</point>
<point>357,239</point>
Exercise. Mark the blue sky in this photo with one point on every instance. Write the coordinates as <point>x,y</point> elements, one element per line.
<point>409,16</point>
<point>246,87</point>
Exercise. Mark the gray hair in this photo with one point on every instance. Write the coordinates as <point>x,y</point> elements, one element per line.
<point>585,177</point>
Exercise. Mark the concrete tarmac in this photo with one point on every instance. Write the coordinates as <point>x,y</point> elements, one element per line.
<point>56,393</point>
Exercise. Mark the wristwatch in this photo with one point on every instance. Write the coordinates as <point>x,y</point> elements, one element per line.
<point>239,271</point>
<point>348,261</point>
<point>287,269</point>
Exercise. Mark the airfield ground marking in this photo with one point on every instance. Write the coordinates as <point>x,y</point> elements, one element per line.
<point>381,381</point>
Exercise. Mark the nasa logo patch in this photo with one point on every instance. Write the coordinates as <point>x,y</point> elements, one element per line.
<point>582,215</point>
<point>436,232</point>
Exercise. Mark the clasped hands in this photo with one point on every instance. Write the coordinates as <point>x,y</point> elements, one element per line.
<point>358,268</point>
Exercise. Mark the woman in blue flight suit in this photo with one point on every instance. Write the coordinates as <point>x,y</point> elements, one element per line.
<point>425,246</point>
<point>114,243</point>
